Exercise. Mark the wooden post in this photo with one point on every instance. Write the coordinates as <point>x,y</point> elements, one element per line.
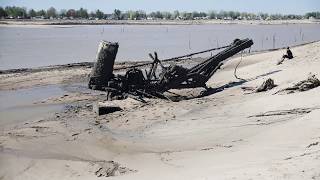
<point>103,67</point>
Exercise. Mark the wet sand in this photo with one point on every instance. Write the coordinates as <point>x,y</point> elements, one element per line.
<point>220,136</point>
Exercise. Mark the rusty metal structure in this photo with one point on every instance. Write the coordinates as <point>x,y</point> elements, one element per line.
<point>159,78</point>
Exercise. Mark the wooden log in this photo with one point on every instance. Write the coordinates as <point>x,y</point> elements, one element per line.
<point>105,108</point>
<point>103,67</point>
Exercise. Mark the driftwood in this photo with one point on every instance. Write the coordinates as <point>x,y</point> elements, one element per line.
<point>310,83</point>
<point>266,85</point>
<point>102,71</point>
<point>154,83</point>
<point>305,85</point>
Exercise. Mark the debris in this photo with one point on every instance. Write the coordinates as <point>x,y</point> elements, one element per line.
<point>285,112</point>
<point>313,144</point>
<point>103,108</point>
<point>75,134</point>
<point>305,85</point>
<point>111,168</point>
<point>310,83</point>
<point>266,85</point>
<point>155,82</point>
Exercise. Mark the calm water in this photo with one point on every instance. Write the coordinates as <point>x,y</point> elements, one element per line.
<point>19,105</point>
<point>33,47</point>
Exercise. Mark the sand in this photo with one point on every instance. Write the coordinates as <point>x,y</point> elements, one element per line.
<point>68,23</point>
<point>225,135</point>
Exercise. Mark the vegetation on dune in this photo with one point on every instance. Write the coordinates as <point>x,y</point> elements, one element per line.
<point>13,12</point>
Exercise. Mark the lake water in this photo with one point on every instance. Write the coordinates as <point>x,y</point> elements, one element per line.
<point>41,46</point>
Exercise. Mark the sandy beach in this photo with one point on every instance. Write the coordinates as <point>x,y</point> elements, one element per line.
<point>233,133</point>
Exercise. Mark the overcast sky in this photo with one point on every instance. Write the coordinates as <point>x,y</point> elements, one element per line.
<point>268,6</point>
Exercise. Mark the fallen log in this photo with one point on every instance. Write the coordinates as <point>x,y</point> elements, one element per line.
<point>154,83</point>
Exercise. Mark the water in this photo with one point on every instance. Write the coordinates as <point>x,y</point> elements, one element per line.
<point>21,105</point>
<point>40,46</point>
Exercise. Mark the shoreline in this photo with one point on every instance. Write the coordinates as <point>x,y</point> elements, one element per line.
<point>8,22</point>
<point>118,65</point>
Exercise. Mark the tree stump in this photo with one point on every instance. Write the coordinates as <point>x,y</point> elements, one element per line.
<point>103,68</point>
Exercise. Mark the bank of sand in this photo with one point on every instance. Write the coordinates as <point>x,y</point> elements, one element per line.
<point>44,22</point>
<point>221,136</point>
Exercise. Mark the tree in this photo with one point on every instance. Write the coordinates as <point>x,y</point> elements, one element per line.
<point>21,12</point>
<point>82,13</point>
<point>117,14</point>
<point>152,15</point>
<point>279,16</point>
<point>131,15</point>
<point>252,16</point>
<point>212,15</point>
<point>195,14</point>
<point>231,14</point>
<point>263,16</point>
<point>2,13</point>
<point>124,15</point>
<point>71,13</point>
<point>203,14</point>
<point>41,13</point>
<point>222,15</point>
<point>63,13</point>
<point>141,14</point>
<point>136,15</point>
<point>32,13</point>
<point>156,15</point>
<point>92,14</point>
<point>186,15</point>
<point>16,12</point>
<point>99,14</point>
<point>176,14</point>
<point>315,15</point>
<point>51,12</point>
<point>159,15</point>
<point>166,15</point>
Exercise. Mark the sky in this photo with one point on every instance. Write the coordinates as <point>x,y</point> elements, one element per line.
<point>254,6</point>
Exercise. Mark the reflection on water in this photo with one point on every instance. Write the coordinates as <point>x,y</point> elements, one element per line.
<point>33,47</point>
<point>19,105</point>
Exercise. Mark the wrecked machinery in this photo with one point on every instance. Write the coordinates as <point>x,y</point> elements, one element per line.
<point>159,78</point>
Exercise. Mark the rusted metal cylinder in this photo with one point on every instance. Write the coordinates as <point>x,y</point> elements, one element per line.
<point>103,67</point>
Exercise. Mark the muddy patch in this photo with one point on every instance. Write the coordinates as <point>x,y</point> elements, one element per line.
<point>20,105</point>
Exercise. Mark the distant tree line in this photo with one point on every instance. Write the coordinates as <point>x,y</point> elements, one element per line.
<point>14,12</point>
